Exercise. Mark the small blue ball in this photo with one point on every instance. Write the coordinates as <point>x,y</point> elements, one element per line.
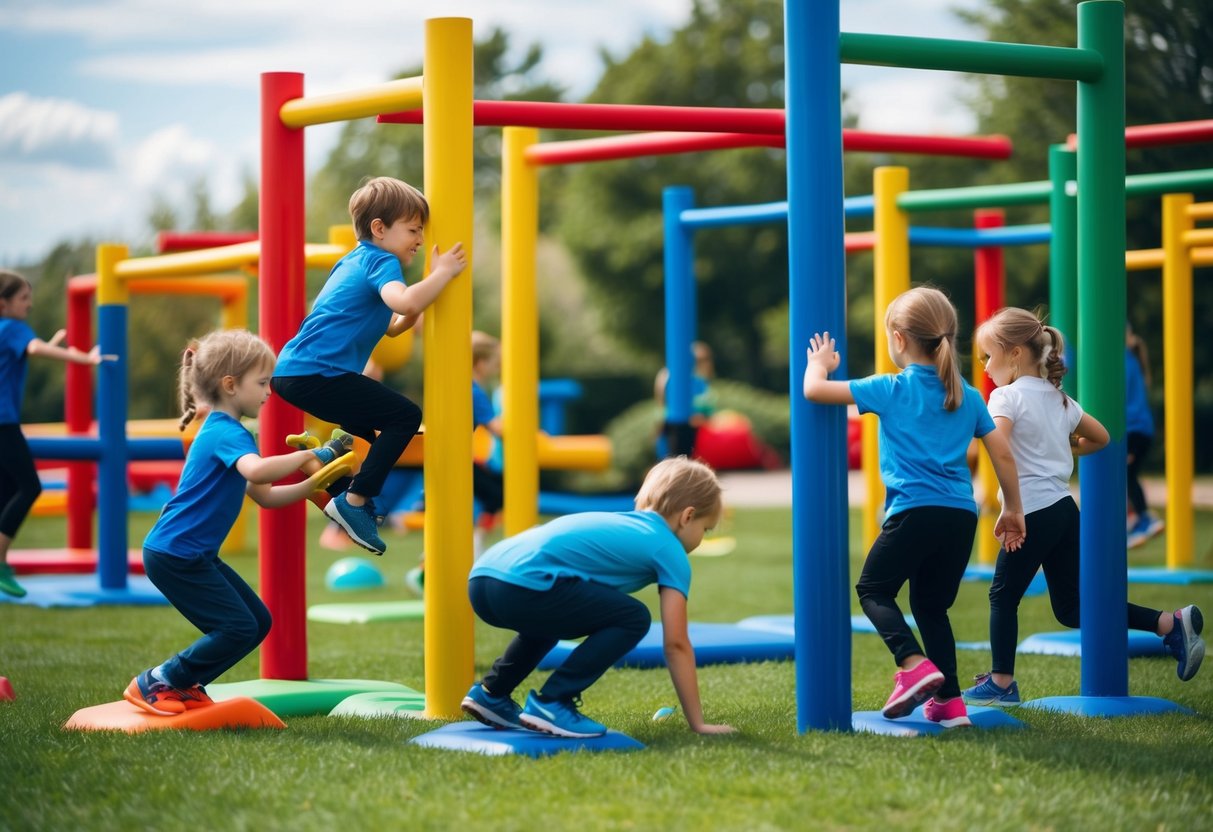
<point>353,573</point>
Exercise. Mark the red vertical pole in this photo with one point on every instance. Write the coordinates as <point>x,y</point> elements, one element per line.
<point>282,538</point>
<point>989,279</point>
<point>78,414</point>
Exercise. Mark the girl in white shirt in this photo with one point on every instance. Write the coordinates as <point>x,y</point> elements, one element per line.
<point>1046,430</point>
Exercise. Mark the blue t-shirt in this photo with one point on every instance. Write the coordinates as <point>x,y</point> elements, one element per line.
<point>347,319</point>
<point>923,446</point>
<point>626,550</point>
<point>210,493</point>
<point>482,407</point>
<point>1138,418</point>
<point>15,336</point>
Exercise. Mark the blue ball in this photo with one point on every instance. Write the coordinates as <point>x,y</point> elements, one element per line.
<point>353,573</point>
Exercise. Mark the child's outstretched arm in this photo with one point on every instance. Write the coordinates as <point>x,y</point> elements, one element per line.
<point>823,360</point>
<point>51,349</point>
<point>1010,527</point>
<point>410,301</point>
<point>1090,436</point>
<point>260,470</point>
<point>680,658</point>
<point>276,496</point>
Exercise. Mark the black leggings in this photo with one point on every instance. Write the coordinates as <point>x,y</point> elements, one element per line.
<point>19,483</point>
<point>1052,543</point>
<point>1137,446</point>
<point>928,546</point>
<point>361,406</point>
<point>613,622</point>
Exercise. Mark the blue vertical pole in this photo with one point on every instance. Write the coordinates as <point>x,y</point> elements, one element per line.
<point>679,318</point>
<point>1101,358</point>
<point>817,301</point>
<point>111,430</point>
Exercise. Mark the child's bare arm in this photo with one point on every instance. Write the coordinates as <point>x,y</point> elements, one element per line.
<point>51,349</point>
<point>401,324</point>
<point>411,301</point>
<point>267,469</point>
<point>1010,527</point>
<point>823,360</point>
<point>680,658</point>
<point>1090,436</point>
<point>277,496</point>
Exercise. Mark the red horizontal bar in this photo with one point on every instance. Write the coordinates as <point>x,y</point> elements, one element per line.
<point>657,144</point>
<point>613,117</point>
<point>859,241</point>
<point>728,120</point>
<point>1162,135</point>
<point>168,241</point>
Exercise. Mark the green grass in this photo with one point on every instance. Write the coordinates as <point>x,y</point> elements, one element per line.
<point>1062,773</point>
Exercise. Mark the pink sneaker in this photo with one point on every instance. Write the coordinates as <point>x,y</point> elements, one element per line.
<point>951,713</point>
<point>911,687</point>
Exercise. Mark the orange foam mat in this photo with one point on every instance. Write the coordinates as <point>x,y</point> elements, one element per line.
<point>240,712</point>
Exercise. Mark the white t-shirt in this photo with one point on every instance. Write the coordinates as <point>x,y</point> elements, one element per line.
<point>1042,420</point>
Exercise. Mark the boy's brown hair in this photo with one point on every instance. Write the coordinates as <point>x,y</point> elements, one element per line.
<point>387,199</point>
<point>484,346</point>
<point>678,483</point>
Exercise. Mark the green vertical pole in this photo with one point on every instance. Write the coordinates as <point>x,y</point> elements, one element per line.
<point>1063,255</point>
<point>1101,359</point>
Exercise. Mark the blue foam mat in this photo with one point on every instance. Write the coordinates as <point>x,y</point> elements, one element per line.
<point>481,739</point>
<point>84,591</point>
<point>1163,575</point>
<point>859,624</point>
<point>713,643</point>
<point>1069,643</point>
<point>1106,706</point>
<point>917,725</point>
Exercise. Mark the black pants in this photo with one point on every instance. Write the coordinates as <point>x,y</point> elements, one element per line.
<point>361,406</point>
<point>488,487</point>
<point>928,546</point>
<point>19,483</point>
<point>612,621</point>
<point>1051,544</point>
<point>1137,448</point>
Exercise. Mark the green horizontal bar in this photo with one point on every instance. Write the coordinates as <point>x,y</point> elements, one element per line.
<point>981,196</point>
<point>1037,193</point>
<point>1148,184</point>
<point>1027,60</point>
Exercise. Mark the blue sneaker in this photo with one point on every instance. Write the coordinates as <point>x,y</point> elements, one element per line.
<point>494,711</point>
<point>358,522</point>
<point>988,692</point>
<point>1146,527</point>
<point>1184,641</point>
<point>559,718</point>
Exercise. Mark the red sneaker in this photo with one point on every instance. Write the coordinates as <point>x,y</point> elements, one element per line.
<point>196,697</point>
<point>154,696</point>
<point>911,687</point>
<point>950,713</point>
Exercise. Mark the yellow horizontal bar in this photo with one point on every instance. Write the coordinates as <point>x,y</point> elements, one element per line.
<point>404,94</point>
<point>207,260</point>
<point>1198,237</point>
<point>1201,211</point>
<point>1142,259</point>
<point>1202,257</point>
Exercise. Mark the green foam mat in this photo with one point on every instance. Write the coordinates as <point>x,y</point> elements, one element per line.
<point>401,703</point>
<point>309,697</point>
<point>367,612</point>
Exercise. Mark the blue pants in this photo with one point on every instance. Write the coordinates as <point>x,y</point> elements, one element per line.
<point>613,622</point>
<point>218,602</point>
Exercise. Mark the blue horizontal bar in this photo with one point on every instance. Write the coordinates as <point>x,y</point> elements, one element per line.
<point>852,206</point>
<point>1011,235</point>
<point>89,448</point>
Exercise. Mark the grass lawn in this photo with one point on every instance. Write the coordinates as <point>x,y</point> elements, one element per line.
<point>1062,773</point>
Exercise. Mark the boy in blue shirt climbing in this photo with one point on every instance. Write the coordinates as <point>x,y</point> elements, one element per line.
<point>572,577</point>
<point>320,369</point>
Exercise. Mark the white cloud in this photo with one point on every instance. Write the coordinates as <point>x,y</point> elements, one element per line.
<point>54,130</point>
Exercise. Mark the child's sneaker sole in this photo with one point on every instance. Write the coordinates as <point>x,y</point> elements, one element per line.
<point>132,695</point>
<point>486,717</point>
<point>544,727</point>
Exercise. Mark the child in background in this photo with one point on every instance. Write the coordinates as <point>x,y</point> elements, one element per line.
<point>928,416</point>
<point>230,371</point>
<point>1046,429</point>
<point>573,577</point>
<point>19,483</point>
<point>1139,437</point>
<point>320,369</point>
<point>487,485</point>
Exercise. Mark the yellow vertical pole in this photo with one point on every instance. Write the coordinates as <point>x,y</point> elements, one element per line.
<point>892,265</point>
<point>519,329</point>
<point>1177,376</point>
<point>448,369</point>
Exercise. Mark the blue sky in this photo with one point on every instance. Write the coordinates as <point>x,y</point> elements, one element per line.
<point>106,105</point>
